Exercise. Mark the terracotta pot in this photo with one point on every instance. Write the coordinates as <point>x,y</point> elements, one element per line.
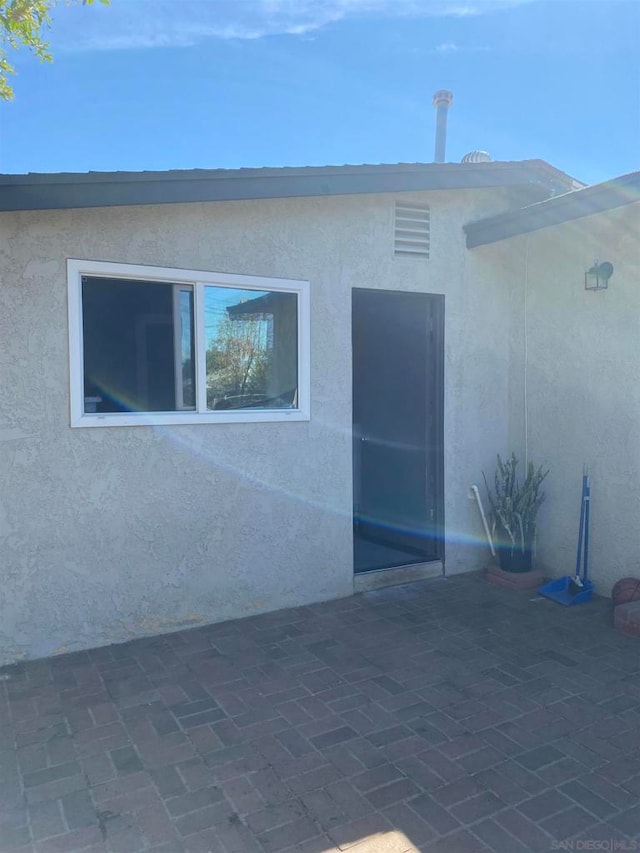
<point>515,580</point>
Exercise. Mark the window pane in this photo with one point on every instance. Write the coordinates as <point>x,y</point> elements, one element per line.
<point>135,335</point>
<point>185,354</point>
<point>252,349</point>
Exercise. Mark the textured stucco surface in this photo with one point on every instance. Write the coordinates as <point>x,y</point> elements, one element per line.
<point>125,531</point>
<point>581,392</point>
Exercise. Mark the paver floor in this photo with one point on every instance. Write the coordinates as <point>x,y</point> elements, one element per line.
<point>438,716</point>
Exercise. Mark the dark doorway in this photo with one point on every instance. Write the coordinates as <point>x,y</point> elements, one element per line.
<point>398,350</point>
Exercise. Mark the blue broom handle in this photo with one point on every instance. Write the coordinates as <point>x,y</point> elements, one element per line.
<point>587,501</point>
<point>581,531</point>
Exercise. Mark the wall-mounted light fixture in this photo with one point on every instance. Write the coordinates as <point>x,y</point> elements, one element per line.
<point>597,278</point>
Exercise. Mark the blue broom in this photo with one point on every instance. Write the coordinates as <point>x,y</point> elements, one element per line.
<point>577,589</point>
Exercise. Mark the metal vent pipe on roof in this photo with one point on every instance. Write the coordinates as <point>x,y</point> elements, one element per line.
<point>441,101</point>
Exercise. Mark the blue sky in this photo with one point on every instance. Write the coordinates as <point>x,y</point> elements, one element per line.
<point>161,84</point>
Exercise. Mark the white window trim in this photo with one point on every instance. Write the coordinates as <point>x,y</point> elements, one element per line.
<point>199,279</point>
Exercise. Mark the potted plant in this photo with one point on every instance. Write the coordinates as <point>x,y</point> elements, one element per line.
<point>514,508</point>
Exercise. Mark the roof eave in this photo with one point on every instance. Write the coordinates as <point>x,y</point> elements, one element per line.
<point>555,211</point>
<point>68,191</point>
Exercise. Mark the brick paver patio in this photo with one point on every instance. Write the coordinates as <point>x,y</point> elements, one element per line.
<point>439,716</point>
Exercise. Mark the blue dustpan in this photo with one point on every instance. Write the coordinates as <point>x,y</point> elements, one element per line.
<point>560,591</point>
<point>568,591</point>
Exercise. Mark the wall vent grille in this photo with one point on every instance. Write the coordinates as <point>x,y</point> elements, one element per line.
<point>411,232</point>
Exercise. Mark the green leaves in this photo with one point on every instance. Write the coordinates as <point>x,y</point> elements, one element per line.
<point>514,507</point>
<point>23,24</point>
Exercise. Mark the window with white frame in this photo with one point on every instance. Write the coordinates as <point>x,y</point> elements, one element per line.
<point>170,346</point>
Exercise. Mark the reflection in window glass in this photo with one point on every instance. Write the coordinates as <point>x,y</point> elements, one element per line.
<point>138,346</point>
<point>185,367</point>
<point>252,348</point>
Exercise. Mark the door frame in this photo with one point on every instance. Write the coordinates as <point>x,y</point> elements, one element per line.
<point>438,320</point>
<point>435,484</point>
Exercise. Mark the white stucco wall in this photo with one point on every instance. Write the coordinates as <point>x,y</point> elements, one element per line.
<point>580,390</point>
<point>125,531</point>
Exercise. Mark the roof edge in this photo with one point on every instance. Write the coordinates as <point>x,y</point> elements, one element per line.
<point>576,204</point>
<point>106,189</point>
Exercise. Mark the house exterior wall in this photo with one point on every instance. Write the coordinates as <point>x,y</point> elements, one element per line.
<point>116,532</point>
<point>574,390</point>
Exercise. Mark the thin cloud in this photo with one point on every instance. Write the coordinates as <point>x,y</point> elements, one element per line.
<point>136,24</point>
<point>449,48</point>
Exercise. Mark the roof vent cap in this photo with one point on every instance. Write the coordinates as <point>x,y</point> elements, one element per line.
<point>476,157</point>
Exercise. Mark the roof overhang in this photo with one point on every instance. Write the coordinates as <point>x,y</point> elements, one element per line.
<point>554,211</point>
<point>265,304</point>
<point>106,189</point>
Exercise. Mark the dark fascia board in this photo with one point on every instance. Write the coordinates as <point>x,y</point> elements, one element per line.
<point>554,211</point>
<point>106,189</point>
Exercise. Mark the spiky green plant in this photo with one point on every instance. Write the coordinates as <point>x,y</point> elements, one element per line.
<point>514,507</point>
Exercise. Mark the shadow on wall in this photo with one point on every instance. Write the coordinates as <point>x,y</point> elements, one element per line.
<point>581,424</point>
